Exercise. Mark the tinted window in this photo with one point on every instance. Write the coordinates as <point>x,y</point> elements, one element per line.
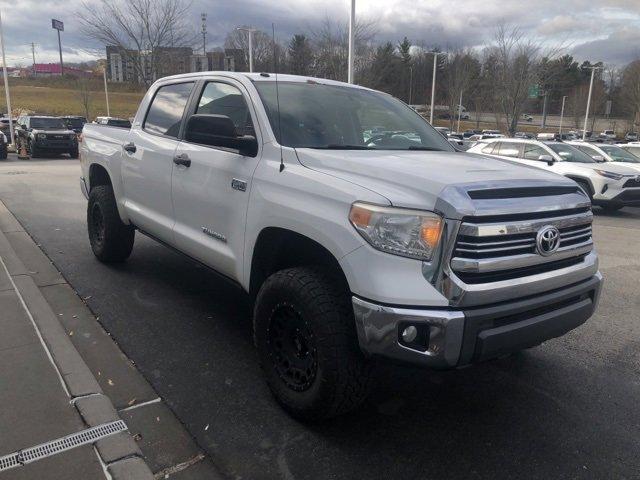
<point>570,154</point>
<point>533,152</point>
<point>509,149</point>
<point>45,122</point>
<point>618,154</point>
<point>167,107</point>
<point>317,115</point>
<point>224,99</point>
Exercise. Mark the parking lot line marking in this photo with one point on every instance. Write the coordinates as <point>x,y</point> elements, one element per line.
<point>143,404</point>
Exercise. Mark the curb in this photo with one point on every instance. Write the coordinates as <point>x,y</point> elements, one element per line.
<point>119,453</point>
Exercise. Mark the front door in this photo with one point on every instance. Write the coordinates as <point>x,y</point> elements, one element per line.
<point>147,162</point>
<point>211,194</point>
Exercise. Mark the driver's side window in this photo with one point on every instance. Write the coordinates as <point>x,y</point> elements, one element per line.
<point>533,152</point>
<point>589,151</point>
<point>223,99</point>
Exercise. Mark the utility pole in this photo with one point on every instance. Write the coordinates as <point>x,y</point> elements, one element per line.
<point>586,115</point>
<point>544,110</point>
<point>106,91</point>
<point>250,31</point>
<point>562,115</point>
<point>433,85</point>
<point>352,33</point>
<point>203,16</point>
<point>459,111</point>
<point>33,54</point>
<point>6,84</point>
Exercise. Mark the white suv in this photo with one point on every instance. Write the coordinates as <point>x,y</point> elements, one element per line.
<point>608,153</point>
<point>609,185</point>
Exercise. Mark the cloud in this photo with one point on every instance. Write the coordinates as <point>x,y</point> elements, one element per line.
<point>605,30</point>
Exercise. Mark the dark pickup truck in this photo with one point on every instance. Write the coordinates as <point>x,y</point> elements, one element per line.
<point>41,134</point>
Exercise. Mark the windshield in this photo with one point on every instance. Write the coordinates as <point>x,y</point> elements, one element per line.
<point>570,154</point>
<point>618,154</point>
<point>75,122</point>
<point>45,123</point>
<point>633,150</point>
<point>315,115</point>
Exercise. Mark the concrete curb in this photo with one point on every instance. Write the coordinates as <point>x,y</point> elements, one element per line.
<point>119,452</point>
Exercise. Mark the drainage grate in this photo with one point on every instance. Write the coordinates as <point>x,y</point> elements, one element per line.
<point>53,447</point>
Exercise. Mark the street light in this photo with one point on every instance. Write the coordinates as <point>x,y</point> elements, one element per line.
<point>562,115</point>
<point>433,84</point>
<point>586,115</point>
<point>352,32</point>
<point>250,31</point>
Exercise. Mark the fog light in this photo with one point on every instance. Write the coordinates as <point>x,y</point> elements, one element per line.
<point>409,334</point>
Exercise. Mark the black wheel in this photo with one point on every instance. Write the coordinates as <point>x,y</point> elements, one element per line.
<point>33,150</point>
<point>74,153</point>
<point>111,240</point>
<point>305,335</point>
<point>3,152</point>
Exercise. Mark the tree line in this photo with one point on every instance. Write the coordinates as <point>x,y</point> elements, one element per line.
<point>498,78</point>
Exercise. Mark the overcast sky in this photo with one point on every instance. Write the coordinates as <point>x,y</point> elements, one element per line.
<point>599,30</point>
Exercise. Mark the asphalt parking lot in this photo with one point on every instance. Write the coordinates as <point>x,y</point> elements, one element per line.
<point>567,409</point>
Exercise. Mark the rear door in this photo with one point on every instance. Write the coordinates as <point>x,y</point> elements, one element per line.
<point>147,162</point>
<point>211,194</point>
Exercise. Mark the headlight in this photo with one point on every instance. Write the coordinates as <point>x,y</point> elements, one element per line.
<point>614,176</point>
<point>42,136</point>
<point>399,231</point>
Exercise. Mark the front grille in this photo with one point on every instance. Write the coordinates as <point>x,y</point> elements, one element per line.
<point>632,183</point>
<point>505,248</point>
<point>521,192</point>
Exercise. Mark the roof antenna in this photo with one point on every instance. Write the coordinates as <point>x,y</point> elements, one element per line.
<point>275,68</point>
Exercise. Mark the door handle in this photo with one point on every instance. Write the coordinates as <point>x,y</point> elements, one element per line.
<point>182,159</point>
<point>129,147</point>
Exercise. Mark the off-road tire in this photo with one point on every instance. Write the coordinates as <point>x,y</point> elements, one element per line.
<point>111,240</point>
<point>4,152</point>
<point>74,153</point>
<point>321,300</point>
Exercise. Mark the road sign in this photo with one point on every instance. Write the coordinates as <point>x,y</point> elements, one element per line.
<point>57,24</point>
<point>534,91</point>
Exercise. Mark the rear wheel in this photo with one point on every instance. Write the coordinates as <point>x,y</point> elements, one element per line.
<point>305,335</point>
<point>611,208</point>
<point>111,240</point>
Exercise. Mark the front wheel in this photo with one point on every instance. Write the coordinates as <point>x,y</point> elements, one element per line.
<point>111,240</point>
<point>305,335</point>
<point>75,153</point>
<point>33,150</point>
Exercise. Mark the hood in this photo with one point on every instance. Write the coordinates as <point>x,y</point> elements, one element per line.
<point>415,179</point>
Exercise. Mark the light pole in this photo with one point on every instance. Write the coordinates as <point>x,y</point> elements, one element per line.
<point>106,92</point>
<point>564,98</point>
<point>250,31</point>
<point>433,85</point>
<point>410,85</point>
<point>586,115</point>
<point>352,32</point>
<point>6,84</point>
<point>459,111</point>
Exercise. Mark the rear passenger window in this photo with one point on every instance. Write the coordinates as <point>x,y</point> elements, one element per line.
<point>165,113</point>
<point>224,99</point>
<point>533,152</point>
<point>508,149</point>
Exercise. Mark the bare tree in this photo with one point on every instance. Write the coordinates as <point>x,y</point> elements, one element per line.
<point>262,48</point>
<point>140,30</point>
<point>516,68</point>
<point>84,95</point>
<point>631,90</point>
<point>461,69</point>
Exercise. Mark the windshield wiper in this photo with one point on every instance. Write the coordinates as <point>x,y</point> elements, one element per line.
<point>335,146</point>
<point>428,149</point>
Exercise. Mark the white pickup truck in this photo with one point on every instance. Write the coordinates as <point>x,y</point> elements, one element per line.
<point>357,229</point>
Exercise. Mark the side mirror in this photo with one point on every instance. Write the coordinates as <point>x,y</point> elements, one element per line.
<point>547,158</point>
<point>219,131</point>
<point>598,158</point>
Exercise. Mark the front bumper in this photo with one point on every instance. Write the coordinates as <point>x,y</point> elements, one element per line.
<point>454,338</point>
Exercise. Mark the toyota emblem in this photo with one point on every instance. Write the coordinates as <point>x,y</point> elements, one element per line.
<point>548,240</point>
